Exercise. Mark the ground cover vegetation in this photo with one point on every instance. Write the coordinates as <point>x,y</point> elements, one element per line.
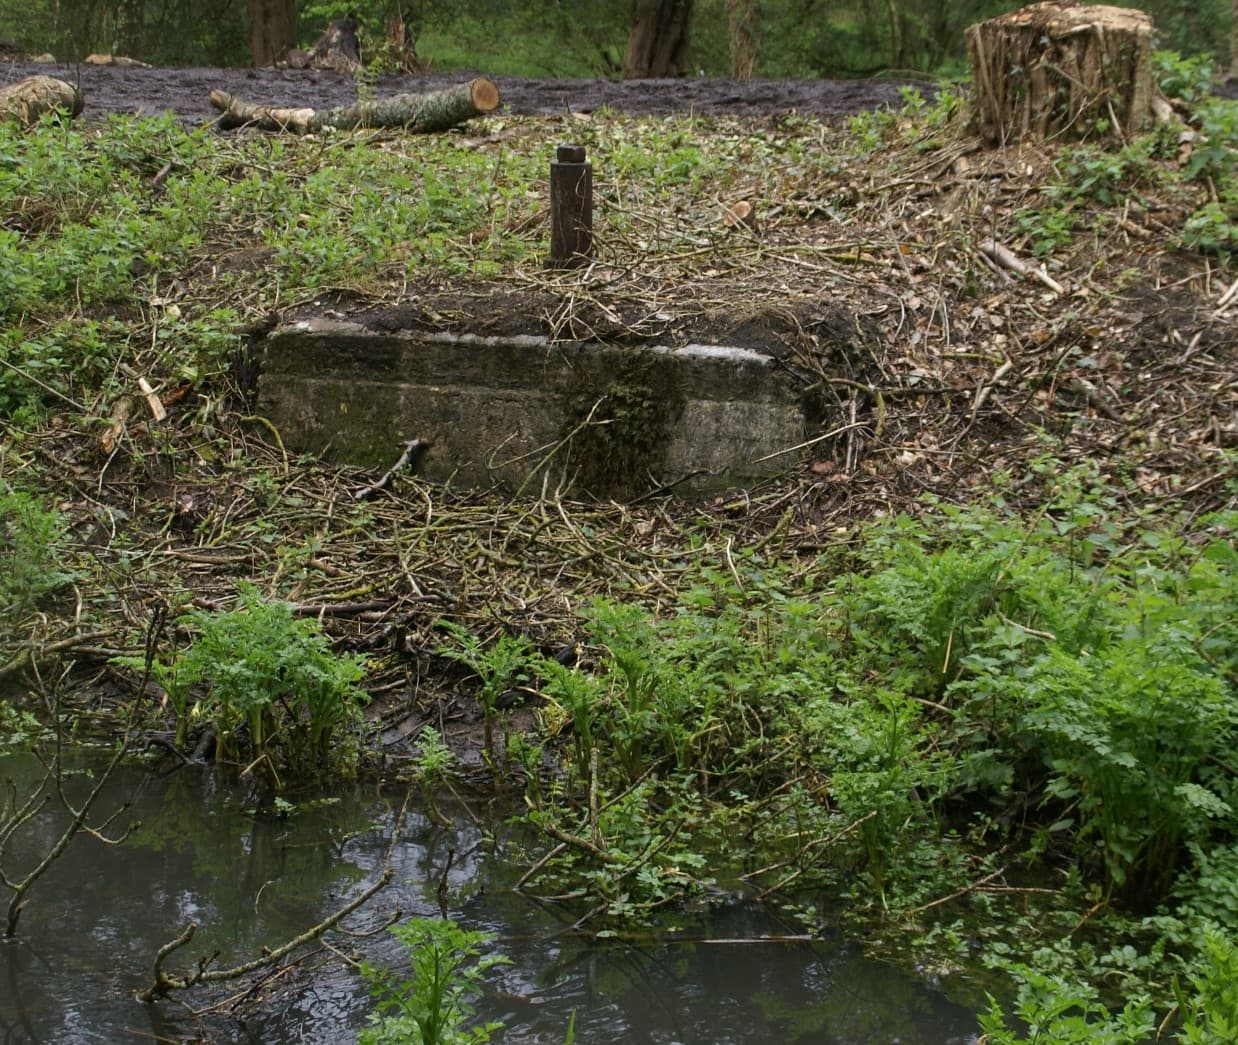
<point>963,681</point>
<point>775,38</point>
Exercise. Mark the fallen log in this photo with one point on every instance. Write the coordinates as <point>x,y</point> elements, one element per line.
<point>418,113</point>
<point>120,61</point>
<point>25,101</point>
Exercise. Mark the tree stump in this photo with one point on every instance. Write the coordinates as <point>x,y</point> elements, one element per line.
<point>1056,70</point>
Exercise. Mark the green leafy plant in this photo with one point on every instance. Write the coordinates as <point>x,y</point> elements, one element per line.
<point>30,538</point>
<point>1210,1012</point>
<point>19,729</point>
<point>581,697</point>
<point>1212,229</point>
<point>1065,1013</point>
<point>924,608</point>
<point>1188,79</point>
<point>1047,228</point>
<point>270,685</point>
<point>435,1005</point>
<point>498,667</point>
<point>1214,154</point>
<point>432,768</point>
<point>1127,736</point>
<point>1206,892</point>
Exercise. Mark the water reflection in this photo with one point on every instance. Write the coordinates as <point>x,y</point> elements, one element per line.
<point>252,879</point>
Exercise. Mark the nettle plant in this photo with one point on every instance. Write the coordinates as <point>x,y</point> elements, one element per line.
<point>269,684</point>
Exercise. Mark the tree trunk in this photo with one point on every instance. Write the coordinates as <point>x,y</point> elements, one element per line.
<point>1054,70</point>
<point>1233,39</point>
<point>338,48</point>
<point>742,37</point>
<point>658,40</point>
<point>272,30</point>
<point>130,28</point>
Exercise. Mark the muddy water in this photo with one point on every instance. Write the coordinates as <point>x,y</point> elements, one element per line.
<point>251,879</point>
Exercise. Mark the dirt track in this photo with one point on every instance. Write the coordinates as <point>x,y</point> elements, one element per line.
<point>185,91</point>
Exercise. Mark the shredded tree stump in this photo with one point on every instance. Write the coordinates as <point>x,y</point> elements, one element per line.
<point>1055,70</point>
<point>25,101</point>
<point>337,49</point>
<point>420,113</point>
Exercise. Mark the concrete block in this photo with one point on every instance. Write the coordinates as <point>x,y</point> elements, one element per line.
<point>516,412</point>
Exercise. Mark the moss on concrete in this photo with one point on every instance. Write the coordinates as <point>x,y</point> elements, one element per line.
<point>618,430</point>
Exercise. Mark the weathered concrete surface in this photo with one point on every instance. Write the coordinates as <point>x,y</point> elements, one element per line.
<point>522,413</point>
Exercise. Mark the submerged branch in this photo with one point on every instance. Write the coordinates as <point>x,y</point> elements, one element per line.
<point>76,824</point>
<point>971,887</point>
<point>78,821</point>
<point>164,983</point>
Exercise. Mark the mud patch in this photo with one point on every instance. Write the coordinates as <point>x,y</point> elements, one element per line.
<point>186,91</point>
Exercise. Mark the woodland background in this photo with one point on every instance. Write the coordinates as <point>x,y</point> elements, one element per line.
<point>580,38</point>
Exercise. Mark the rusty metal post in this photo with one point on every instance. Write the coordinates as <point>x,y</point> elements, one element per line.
<point>571,208</point>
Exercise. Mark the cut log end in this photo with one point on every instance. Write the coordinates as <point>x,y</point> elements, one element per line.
<point>484,94</point>
<point>740,215</point>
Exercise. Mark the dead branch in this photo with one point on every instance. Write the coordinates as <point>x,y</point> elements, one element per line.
<point>79,817</point>
<point>410,448</point>
<point>77,823</point>
<point>117,61</point>
<point>979,883</point>
<point>811,846</point>
<point>1005,258</point>
<point>30,808</point>
<point>164,983</point>
<point>27,654</point>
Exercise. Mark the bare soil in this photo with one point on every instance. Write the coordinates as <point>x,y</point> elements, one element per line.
<point>185,91</point>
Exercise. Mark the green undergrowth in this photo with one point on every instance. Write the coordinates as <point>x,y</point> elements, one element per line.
<point>31,544</point>
<point>139,246</point>
<point>1008,740</point>
<point>991,740</point>
<point>273,693</point>
<point>106,227</point>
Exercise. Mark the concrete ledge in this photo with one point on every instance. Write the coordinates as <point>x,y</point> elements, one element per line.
<point>514,412</point>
